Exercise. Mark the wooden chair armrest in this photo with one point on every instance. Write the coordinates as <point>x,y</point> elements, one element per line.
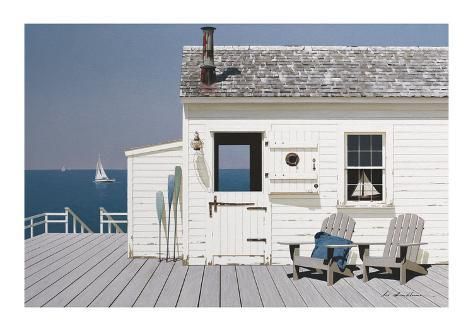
<point>341,245</point>
<point>412,244</point>
<point>369,244</point>
<point>295,243</point>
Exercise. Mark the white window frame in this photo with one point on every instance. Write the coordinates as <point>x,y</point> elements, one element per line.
<point>386,130</point>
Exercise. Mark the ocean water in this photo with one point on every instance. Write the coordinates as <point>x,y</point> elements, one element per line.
<point>52,190</point>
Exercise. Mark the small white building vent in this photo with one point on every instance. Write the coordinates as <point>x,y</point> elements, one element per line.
<point>293,165</point>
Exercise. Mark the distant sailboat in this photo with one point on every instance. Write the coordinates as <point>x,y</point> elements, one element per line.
<point>63,169</point>
<point>364,188</point>
<point>100,175</point>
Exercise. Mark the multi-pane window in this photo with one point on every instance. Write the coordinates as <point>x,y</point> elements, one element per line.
<point>364,167</point>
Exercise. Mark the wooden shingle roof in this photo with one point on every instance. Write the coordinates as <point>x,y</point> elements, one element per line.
<point>318,71</point>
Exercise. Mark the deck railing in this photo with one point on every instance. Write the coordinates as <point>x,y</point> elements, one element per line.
<point>61,218</point>
<point>107,218</point>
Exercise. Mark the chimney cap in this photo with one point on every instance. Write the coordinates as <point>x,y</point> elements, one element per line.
<point>208,28</point>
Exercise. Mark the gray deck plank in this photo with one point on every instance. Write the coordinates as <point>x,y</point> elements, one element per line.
<point>438,278</point>
<point>439,270</point>
<point>230,296</point>
<point>52,252</point>
<point>249,294</point>
<point>84,298</point>
<point>71,291</point>
<point>352,296</point>
<point>46,267</point>
<point>111,292</point>
<point>427,293</point>
<point>210,291</point>
<point>36,239</point>
<point>59,273</point>
<point>59,258</point>
<point>442,266</point>
<point>53,289</point>
<point>190,292</point>
<point>330,295</point>
<point>433,285</point>
<point>131,292</point>
<point>51,246</point>
<point>286,288</point>
<point>173,286</point>
<point>368,292</point>
<point>43,240</point>
<point>410,294</point>
<point>309,294</point>
<point>150,294</point>
<point>267,289</point>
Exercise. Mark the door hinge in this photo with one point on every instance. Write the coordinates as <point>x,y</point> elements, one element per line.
<point>256,239</point>
<point>257,208</point>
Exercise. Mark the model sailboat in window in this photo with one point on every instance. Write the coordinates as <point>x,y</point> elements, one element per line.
<point>100,175</point>
<point>364,189</point>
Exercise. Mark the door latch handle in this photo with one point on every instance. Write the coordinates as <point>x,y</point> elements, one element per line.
<point>257,208</point>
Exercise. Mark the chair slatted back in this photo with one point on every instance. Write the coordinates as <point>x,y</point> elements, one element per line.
<point>405,228</point>
<point>340,225</point>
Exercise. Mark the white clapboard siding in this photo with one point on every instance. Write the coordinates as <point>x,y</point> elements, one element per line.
<point>148,174</point>
<point>419,172</point>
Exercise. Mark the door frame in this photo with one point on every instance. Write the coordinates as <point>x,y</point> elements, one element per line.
<point>263,129</point>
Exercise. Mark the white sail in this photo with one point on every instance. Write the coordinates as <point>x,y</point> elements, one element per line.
<point>100,175</point>
<point>364,188</point>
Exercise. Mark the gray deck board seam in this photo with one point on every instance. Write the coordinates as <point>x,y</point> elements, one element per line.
<point>111,304</point>
<point>95,280</point>
<point>426,297</point>
<point>100,292</point>
<point>57,242</point>
<point>164,284</point>
<point>70,271</point>
<point>57,252</point>
<point>91,267</point>
<point>111,264</point>
<point>180,290</point>
<point>41,244</point>
<point>354,289</point>
<point>407,298</point>
<point>256,283</point>
<point>77,266</point>
<point>238,287</point>
<point>145,284</point>
<point>62,265</point>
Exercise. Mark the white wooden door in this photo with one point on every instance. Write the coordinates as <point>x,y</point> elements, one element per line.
<point>239,232</point>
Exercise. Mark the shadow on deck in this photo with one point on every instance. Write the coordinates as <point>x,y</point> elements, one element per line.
<point>87,270</point>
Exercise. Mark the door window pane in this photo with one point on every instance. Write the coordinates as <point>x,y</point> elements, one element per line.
<point>234,168</point>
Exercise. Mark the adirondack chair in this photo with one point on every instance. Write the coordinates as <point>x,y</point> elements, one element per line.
<point>400,250</point>
<point>340,225</point>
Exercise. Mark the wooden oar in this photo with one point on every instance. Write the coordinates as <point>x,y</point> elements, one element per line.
<point>160,210</point>
<point>170,196</point>
<point>177,190</point>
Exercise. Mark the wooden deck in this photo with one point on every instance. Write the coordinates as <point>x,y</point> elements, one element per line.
<point>92,270</point>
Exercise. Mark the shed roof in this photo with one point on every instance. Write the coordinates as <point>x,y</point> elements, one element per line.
<point>318,71</point>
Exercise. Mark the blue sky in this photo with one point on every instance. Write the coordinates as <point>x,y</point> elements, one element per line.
<point>93,89</point>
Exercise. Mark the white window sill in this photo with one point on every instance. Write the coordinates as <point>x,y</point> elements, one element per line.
<point>366,206</point>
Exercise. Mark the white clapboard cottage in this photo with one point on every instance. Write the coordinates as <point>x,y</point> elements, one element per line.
<point>277,138</point>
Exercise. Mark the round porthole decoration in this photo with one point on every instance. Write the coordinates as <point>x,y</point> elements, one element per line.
<point>292,159</point>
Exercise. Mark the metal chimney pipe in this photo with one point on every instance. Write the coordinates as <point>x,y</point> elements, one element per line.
<point>207,69</point>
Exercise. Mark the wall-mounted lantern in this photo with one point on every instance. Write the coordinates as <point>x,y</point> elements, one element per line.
<point>196,143</point>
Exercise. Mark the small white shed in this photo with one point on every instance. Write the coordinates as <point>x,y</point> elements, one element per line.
<point>318,130</point>
<point>148,169</point>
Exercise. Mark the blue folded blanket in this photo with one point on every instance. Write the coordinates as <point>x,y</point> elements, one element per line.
<point>340,254</point>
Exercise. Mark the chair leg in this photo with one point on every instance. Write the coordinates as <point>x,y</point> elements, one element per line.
<point>403,274</point>
<point>366,274</point>
<point>329,277</point>
<point>295,272</point>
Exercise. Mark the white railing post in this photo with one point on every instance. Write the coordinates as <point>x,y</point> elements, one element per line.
<point>66,227</point>
<point>81,228</point>
<point>46,223</point>
<point>31,228</point>
<point>101,219</point>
